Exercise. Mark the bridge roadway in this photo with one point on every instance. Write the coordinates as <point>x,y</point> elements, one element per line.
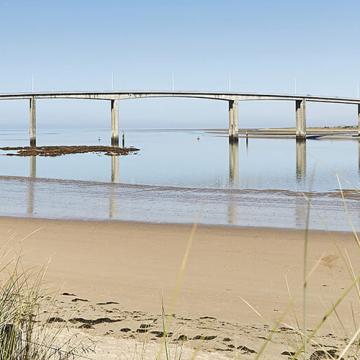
<point>233,99</point>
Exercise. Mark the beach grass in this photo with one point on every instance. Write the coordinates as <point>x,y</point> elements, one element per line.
<point>23,335</point>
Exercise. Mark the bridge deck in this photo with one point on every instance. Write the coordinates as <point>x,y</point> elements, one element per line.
<point>225,96</point>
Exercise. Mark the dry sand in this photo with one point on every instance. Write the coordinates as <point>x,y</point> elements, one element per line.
<point>113,276</point>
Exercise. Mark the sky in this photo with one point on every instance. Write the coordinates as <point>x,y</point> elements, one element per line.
<point>282,46</point>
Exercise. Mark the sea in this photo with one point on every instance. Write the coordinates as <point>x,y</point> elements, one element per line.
<point>186,176</point>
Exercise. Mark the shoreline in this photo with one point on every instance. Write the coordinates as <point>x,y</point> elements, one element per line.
<point>184,225</point>
<point>313,133</point>
<point>332,192</point>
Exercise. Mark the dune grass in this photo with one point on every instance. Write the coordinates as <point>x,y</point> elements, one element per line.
<point>22,335</point>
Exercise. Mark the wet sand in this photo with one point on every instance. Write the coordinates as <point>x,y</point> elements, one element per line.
<point>121,271</point>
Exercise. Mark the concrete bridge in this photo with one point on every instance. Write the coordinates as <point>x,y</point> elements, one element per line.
<point>232,98</point>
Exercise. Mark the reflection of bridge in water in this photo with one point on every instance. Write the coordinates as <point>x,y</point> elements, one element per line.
<point>233,180</point>
<point>114,180</point>
<point>233,174</point>
<point>300,160</point>
<point>112,194</point>
<point>32,176</point>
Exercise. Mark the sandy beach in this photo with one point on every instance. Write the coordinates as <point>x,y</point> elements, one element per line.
<point>121,271</point>
<point>179,180</point>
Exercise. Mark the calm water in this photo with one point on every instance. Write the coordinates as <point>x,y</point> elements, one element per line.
<point>195,159</point>
<point>183,176</point>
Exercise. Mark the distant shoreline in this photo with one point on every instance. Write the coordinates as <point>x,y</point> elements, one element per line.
<point>341,133</point>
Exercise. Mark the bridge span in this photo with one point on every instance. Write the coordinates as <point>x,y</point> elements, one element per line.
<point>233,99</point>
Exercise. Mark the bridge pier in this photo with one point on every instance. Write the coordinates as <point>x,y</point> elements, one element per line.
<point>114,123</point>
<point>32,121</point>
<point>233,121</point>
<point>300,107</point>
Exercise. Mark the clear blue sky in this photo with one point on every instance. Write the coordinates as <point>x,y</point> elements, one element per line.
<point>260,45</point>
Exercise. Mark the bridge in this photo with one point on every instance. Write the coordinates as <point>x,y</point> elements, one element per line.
<point>232,98</point>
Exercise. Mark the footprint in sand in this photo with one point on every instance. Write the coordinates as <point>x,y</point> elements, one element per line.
<point>93,321</point>
<point>55,319</point>
<point>182,338</point>
<point>206,338</point>
<point>125,330</point>
<point>108,303</point>
<point>246,350</point>
<point>145,326</point>
<point>288,353</point>
<point>86,326</point>
<point>329,260</point>
<point>79,299</point>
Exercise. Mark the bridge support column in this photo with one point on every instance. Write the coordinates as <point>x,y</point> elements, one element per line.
<point>32,121</point>
<point>233,121</point>
<point>114,123</point>
<point>300,107</point>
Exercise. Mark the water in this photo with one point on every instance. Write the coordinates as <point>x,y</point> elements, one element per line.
<point>195,159</point>
<point>183,176</point>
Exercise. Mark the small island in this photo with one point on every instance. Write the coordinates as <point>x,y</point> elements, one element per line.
<point>66,150</point>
